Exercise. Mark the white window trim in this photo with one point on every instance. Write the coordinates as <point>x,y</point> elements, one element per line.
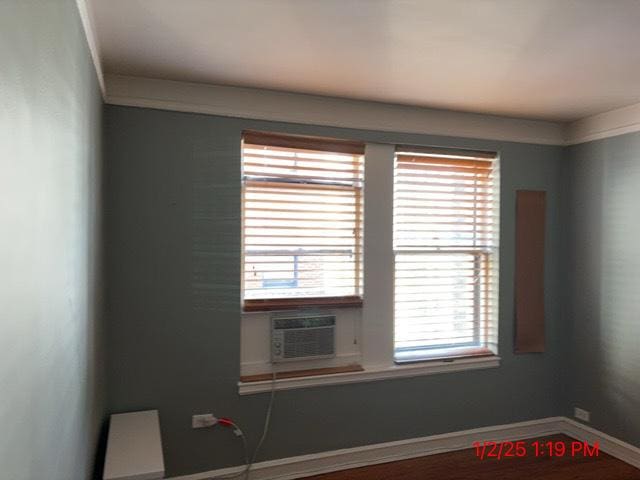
<point>378,297</point>
<point>373,374</point>
<point>376,335</point>
<point>490,253</point>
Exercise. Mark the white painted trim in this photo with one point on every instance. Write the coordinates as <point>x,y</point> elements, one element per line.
<point>255,343</point>
<point>608,444</point>
<point>318,463</point>
<point>379,275</point>
<point>262,366</point>
<point>325,462</point>
<point>88,24</point>
<point>272,105</point>
<point>371,374</point>
<point>317,110</point>
<point>604,125</point>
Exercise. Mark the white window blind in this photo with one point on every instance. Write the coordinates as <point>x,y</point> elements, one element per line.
<point>446,234</point>
<point>302,221</point>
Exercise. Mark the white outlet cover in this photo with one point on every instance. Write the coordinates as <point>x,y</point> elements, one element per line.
<point>203,421</point>
<point>581,414</point>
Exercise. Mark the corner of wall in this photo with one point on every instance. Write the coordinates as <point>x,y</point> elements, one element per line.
<point>88,24</point>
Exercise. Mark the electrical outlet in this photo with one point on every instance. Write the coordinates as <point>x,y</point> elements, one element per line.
<point>203,421</point>
<point>581,414</point>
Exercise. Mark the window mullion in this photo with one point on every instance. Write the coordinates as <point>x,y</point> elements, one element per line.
<point>377,314</point>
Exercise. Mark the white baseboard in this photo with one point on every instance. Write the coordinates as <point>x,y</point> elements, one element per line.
<point>314,464</point>
<point>325,462</point>
<point>608,444</point>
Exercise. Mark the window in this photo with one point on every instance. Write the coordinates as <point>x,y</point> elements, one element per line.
<point>446,222</point>
<point>432,252</point>
<point>302,221</point>
<point>285,278</point>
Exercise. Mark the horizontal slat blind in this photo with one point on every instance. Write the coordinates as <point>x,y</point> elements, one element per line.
<point>446,220</point>
<point>302,219</point>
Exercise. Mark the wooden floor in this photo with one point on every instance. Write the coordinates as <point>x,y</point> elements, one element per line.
<point>465,465</point>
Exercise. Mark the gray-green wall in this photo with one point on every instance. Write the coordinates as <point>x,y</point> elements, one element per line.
<point>51,386</point>
<point>173,268</point>
<point>173,246</point>
<point>603,273</point>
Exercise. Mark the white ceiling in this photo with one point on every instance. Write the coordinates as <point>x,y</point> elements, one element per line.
<point>545,59</point>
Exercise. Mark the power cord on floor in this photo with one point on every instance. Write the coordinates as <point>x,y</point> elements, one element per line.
<point>238,431</point>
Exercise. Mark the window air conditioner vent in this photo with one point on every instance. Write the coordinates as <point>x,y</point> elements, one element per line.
<point>302,337</point>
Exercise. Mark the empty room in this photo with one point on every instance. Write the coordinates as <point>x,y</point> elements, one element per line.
<point>319,239</point>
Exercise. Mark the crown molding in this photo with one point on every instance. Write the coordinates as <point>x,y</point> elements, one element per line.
<point>329,111</point>
<point>604,125</point>
<point>260,104</point>
<point>272,105</point>
<point>86,17</point>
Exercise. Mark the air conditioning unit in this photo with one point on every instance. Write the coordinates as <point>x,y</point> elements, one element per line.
<point>302,337</point>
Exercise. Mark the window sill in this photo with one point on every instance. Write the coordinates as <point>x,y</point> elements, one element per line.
<point>373,374</point>
<point>313,372</point>
<point>444,354</point>
<point>269,305</point>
